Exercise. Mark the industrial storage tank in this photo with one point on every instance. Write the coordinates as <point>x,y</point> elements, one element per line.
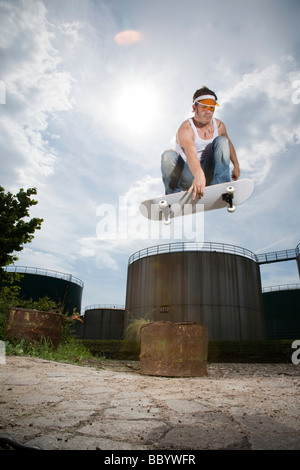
<point>62,288</point>
<point>282,311</point>
<point>103,322</point>
<point>212,284</point>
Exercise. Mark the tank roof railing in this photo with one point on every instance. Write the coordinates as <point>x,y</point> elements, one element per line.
<point>281,287</point>
<point>263,258</point>
<point>276,256</point>
<point>44,272</point>
<point>108,306</point>
<point>191,246</point>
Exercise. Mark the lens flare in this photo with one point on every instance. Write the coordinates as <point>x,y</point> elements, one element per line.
<point>128,37</point>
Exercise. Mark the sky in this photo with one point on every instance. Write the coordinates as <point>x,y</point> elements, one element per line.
<point>91,94</point>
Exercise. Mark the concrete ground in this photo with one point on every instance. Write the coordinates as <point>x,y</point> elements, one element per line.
<point>57,406</point>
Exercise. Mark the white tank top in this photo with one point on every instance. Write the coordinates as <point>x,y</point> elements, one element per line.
<point>200,144</point>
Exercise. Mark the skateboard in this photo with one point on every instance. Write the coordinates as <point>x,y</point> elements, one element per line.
<point>218,196</point>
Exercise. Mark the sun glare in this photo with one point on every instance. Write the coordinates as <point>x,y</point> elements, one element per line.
<point>136,108</point>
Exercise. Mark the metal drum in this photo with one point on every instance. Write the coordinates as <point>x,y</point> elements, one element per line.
<point>174,349</point>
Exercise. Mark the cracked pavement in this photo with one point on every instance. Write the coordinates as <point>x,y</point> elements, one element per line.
<point>57,406</point>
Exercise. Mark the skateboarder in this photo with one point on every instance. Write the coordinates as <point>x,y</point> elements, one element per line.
<point>203,150</point>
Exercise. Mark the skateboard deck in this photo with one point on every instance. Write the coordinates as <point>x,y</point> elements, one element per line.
<point>218,196</point>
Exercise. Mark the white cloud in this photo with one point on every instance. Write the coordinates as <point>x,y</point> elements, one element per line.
<point>120,228</point>
<point>44,260</point>
<point>36,89</point>
<point>264,119</point>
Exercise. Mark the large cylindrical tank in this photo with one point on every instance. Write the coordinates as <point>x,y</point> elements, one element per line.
<point>103,322</point>
<point>62,288</point>
<point>282,311</point>
<point>216,285</point>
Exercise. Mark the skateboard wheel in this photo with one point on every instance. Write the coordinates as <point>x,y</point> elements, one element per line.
<point>231,209</point>
<point>163,204</point>
<point>230,189</point>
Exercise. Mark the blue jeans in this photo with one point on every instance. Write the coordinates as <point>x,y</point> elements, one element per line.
<point>177,176</point>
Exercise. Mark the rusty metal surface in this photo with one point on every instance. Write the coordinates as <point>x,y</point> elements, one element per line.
<point>174,349</point>
<point>34,325</point>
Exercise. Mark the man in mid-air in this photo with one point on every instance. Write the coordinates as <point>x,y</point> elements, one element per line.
<point>203,150</point>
